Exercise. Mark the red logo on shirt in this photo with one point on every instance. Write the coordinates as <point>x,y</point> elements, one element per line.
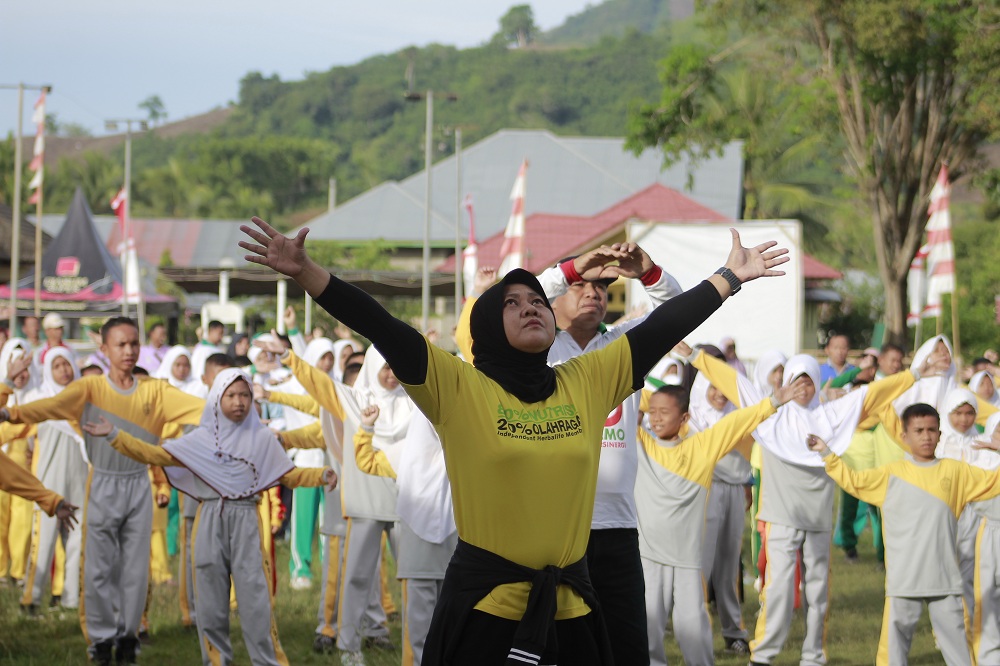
<point>614,417</point>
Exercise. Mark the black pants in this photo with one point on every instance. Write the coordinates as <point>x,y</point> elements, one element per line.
<point>486,641</point>
<point>616,574</point>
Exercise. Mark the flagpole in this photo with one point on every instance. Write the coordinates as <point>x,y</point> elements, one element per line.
<point>955,339</point>
<point>38,251</point>
<point>15,239</point>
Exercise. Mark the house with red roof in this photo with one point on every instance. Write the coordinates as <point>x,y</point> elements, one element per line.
<point>551,237</point>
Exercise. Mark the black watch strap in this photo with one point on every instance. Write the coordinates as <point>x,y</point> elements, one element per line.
<point>730,277</point>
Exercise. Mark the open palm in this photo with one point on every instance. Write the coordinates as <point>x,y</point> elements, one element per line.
<point>274,250</point>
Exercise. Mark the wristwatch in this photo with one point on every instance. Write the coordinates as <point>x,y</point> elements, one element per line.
<point>730,277</point>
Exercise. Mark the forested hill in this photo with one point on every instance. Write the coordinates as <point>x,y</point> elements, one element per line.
<point>283,140</point>
<point>615,18</point>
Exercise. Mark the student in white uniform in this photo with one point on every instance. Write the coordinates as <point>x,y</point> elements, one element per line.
<point>225,463</point>
<point>428,534</point>
<point>61,467</point>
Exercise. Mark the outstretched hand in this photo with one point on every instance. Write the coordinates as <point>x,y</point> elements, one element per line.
<point>66,515</point>
<point>274,250</point>
<point>794,391</point>
<point>750,263</point>
<point>99,429</point>
<point>272,345</point>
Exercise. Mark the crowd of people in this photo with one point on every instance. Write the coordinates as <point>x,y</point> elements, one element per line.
<point>558,492</point>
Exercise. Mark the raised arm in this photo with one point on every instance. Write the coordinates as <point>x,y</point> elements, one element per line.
<point>130,446</point>
<point>368,458</point>
<point>868,485</point>
<point>306,437</point>
<point>178,406</point>
<point>311,477</point>
<point>401,345</point>
<point>670,322</point>
<point>19,481</point>
<point>67,406</point>
<point>304,403</point>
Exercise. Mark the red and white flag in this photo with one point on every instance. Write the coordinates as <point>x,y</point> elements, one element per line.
<point>126,249</point>
<point>512,250</point>
<point>470,256</point>
<point>940,251</point>
<point>37,163</point>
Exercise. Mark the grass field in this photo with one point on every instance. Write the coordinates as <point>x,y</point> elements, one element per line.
<point>55,639</point>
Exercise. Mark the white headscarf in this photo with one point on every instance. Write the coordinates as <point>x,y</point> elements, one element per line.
<point>166,369</point>
<point>703,415</point>
<point>768,361</point>
<point>11,349</point>
<point>784,434</point>
<point>317,348</point>
<point>49,388</point>
<point>929,390</point>
<point>338,348</point>
<point>395,408</point>
<point>236,460</point>
<point>977,379</point>
<point>955,444</point>
<point>424,500</point>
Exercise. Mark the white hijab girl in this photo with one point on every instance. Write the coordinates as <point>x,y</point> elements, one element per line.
<point>176,369</point>
<point>929,390</point>
<point>982,385</point>
<point>955,443</point>
<point>785,432</point>
<point>12,349</point>
<point>377,385</point>
<point>236,460</point>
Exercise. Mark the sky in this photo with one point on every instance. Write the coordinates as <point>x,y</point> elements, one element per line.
<point>104,57</point>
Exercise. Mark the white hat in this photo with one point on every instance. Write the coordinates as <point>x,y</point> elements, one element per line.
<point>52,320</point>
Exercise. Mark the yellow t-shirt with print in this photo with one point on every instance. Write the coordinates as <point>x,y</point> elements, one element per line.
<point>523,475</point>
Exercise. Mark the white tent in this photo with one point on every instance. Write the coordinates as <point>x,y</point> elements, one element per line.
<point>766,314</point>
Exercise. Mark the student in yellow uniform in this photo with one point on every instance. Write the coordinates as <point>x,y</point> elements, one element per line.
<point>16,512</point>
<point>225,463</point>
<point>522,444</point>
<point>118,513</point>
<point>986,622</point>
<point>796,500</point>
<point>671,495</point>
<point>921,498</point>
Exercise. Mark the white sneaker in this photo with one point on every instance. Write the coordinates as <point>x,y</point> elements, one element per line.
<point>301,583</point>
<point>352,659</point>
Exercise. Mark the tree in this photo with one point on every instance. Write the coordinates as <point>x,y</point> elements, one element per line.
<point>154,107</point>
<point>517,26</point>
<point>905,83</point>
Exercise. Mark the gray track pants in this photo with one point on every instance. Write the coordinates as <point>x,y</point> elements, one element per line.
<point>777,598</point>
<point>362,556</point>
<point>228,543</point>
<point>117,524</point>
<point>947,618</point>
<point>677,594</point>
<point>724,521</point>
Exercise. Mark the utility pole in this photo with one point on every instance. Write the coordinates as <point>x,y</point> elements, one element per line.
<point>112,126</point>
<point>425,286</point>
<point>15,235</point>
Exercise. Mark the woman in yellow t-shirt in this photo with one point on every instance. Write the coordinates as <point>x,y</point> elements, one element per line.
<point>521,442</point>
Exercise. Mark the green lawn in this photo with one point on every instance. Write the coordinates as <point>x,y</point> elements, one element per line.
<point>852,633</point>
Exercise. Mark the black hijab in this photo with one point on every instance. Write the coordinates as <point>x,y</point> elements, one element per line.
<point>527,376</point>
